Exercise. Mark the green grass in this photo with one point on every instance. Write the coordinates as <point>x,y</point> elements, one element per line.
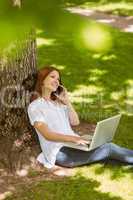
<point>100,85</point>
<point>117,7</point>
<point>98,181</point>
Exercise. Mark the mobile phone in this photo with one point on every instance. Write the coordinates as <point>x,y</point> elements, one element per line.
<point>59,90</point>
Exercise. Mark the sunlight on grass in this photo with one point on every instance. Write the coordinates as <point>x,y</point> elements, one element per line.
<point>120,186</point>
<point>124,97</point>
<point>130,103</point>
<point>96,73</point>
<point>43,41</point>
<point>104,57</point>
<point>80,99</point>
<point>114,6</point>
<point>109,57</point>
<point>124,8</point>
<point>39,31</point>
<point>116,95</point>
<point>90,89</point>
<point>82,93</point>
<point>96,55</point>
<point>60,67</point>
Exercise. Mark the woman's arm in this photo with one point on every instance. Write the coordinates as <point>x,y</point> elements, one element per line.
<point>73,116</point>
<point>53,136</point>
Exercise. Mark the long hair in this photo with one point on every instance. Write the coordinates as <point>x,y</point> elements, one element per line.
<point>41,75</point>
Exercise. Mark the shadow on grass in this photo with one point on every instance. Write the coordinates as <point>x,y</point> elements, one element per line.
<point>124,132</point>
<point>77,187</point>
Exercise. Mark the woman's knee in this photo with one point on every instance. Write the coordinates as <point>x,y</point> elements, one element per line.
<point>107,145</point>
<point>106,148</point>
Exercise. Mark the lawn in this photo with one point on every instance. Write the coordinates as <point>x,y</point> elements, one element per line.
<point>116,7</point>
<point>100,85</point>
<point>98,181</point>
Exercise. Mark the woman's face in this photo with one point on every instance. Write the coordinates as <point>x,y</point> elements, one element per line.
<point>52,82</point>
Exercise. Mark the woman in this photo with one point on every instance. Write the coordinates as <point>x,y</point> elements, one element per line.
<point>52,114</point>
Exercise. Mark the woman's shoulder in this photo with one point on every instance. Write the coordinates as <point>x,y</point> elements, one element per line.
<point>35,103</point>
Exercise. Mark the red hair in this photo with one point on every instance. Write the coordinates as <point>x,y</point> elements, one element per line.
<point>41,75</point>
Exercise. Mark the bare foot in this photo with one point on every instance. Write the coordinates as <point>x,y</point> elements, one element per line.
<point>56,170</point>
<point>61,171</point>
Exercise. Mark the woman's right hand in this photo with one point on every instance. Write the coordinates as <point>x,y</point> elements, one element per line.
<point>78,140</point>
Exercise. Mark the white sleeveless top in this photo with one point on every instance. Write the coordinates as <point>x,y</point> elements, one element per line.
<point>57,118</point>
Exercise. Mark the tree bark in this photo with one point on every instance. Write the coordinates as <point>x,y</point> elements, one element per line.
<point>17,82</point>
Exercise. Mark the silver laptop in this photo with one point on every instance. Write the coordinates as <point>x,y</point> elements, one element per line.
<point>104,132</point>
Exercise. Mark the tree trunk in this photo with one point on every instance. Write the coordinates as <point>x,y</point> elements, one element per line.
<point>16,83</point>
